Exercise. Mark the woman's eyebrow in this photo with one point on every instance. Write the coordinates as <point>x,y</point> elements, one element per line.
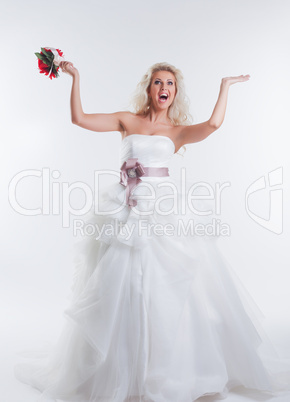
<point>168,79</point>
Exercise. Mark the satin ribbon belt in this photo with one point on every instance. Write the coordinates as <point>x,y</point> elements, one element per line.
<point>130,174</point>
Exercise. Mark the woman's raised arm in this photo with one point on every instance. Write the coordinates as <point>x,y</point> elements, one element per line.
<point>99,122</point>
<point>198,132</point>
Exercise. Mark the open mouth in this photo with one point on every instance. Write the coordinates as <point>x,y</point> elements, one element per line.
<point>163,98</point>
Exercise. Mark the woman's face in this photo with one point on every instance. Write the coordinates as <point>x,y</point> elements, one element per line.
<point>162,90</point>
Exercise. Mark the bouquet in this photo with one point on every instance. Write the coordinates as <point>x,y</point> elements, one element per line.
<point>49,60</point>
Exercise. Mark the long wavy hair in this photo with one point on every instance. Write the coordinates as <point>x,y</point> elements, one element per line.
<point>178,111</point>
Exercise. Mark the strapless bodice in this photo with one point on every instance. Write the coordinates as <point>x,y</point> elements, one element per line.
<point>151,150</point>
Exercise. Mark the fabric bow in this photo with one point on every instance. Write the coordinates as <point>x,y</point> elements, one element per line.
<point>130,173</point>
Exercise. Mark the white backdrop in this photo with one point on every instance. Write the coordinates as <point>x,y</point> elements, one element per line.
<point>112,43</point>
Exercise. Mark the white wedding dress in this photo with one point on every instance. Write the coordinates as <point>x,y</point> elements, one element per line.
<point>154,317</point>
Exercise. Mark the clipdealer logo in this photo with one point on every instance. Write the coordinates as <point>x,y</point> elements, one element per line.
<point>271,185</point>
<point>188,200</point>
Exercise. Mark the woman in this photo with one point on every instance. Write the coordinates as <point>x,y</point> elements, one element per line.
<point>154,317</point>
<point>156,115</point>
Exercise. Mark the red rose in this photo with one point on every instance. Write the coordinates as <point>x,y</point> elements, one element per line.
<point>48,61</point>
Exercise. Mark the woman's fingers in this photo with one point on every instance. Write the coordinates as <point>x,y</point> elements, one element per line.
<point>64,65</point>
<point>67,67</point>
<point>233,80</point>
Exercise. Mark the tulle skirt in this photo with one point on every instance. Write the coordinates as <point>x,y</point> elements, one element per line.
<point>154,315</point>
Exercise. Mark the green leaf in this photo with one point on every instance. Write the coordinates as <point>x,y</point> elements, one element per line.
<point>44,59</point>
<point>49,55</point>
<point>48,59</point>
<point>54,69</point>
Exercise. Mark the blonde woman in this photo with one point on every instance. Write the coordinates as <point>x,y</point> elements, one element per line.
<point>155,315</point>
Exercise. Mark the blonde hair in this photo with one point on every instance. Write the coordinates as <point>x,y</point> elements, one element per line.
<point>178,111</point>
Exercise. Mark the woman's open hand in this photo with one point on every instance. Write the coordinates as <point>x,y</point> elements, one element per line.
<point>233,80</point>
<point>68,67</point>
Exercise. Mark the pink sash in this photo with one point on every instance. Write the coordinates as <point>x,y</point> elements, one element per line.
<point>130,173</point>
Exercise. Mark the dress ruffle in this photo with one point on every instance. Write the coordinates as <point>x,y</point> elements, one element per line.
<point>154,318</point>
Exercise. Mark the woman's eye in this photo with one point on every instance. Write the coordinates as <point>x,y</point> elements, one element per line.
<point>157,81</point>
